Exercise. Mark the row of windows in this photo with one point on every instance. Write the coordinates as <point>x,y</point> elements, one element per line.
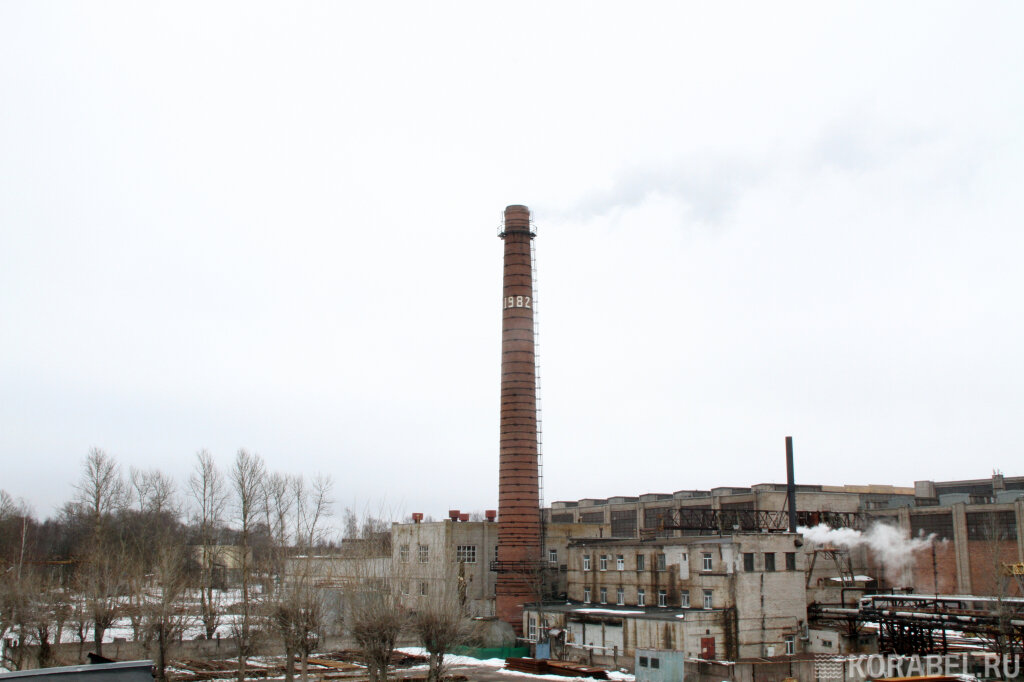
<point>769,561</point>
<point>422,553</point>
<point>641,597</point>
<point>707,561</point>
<point>406,588</point>
<point>620,562</point>
<point>463,553</point>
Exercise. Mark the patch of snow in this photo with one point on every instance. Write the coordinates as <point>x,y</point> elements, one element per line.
<point>613,611</point>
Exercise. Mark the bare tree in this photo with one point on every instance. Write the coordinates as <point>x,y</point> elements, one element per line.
<point>299,610</point>
<point>15,617</point>
<point>439,618</point>
<point>207,489</point>
<point>101,490</point>
<point>164,619</point>
<point>247,476</point>
<point>98,579</point>
<point>374,614</point>
<point>41,618</point>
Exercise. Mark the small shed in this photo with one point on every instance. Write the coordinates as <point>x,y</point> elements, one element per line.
<point>659,665</point>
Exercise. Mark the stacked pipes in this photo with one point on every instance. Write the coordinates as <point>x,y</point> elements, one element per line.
<point>518,490</point>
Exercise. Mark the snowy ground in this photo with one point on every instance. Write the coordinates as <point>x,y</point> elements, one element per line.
<point>497,665</point>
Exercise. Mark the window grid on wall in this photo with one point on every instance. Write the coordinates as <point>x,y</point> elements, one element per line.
<point>996,525</point>
<point>624,523</point>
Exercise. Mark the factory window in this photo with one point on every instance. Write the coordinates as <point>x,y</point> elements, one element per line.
<point>553,557</point>
<point>604,595</point>
<point>495,552</point>
<point>423,589</point>
<point>655,662</point>
<point>620,596</point>
<point>1001,525</point>
<point>592,517</point>
<point>707,599</point>
<point>790,645</point>
<point>586,562</point>
<point>748,561</point>
<point>405,587</point>
<point>466,553</point>
<point>769,561</point>
<point>623,523</point>
<point>643,661</point>
<point>941,525</point>
<point>424,553</point>
<point>531,633</point>
<point>641,597</point>
<point>684,599</point>
<point>662,598</point>
<point>403,553</point>
<point>790,561</point>
<point>640,562</point>
<point>656,518</point>
<point>586,595</point>
<point>661,562</point>
<point>604,562</point>
<point>620,563</point>
<point>706,561</point>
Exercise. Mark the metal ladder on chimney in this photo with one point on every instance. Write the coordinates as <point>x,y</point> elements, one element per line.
<point>536,361</point>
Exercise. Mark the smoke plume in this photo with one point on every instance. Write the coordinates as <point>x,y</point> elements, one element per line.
<point>886,542</point>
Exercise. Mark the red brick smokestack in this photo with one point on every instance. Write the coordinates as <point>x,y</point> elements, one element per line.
<point>518,492</point>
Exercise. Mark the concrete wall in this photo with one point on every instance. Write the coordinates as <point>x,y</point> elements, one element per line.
<point>444,561</point>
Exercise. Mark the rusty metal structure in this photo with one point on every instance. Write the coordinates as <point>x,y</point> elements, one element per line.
<point>920,623</point>
<point>726,521</point>
<point>519,520</point>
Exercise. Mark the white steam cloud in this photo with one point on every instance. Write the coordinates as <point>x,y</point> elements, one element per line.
<point>887,543</point>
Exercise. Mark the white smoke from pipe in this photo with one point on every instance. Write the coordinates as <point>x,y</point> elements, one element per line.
<point>887,543</point>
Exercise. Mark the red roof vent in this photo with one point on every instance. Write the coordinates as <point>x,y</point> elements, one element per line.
<point>453,514</point>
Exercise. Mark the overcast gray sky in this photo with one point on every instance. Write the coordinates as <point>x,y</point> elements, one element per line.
<point>273,226</point>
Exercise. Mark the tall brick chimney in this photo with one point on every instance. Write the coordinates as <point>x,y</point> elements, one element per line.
<point>518,491</point>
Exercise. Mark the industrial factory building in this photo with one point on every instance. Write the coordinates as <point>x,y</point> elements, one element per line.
<point>976,525</point>
<point>437,557</point>
<point>718,574</point>
<point>632,516</point>
<point>728,597</point>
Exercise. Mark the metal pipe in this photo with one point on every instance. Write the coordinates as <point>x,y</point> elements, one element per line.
<point>790,485</point>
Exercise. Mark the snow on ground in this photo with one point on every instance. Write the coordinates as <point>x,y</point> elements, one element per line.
<point>615,611</point>
<point>499,663</point>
